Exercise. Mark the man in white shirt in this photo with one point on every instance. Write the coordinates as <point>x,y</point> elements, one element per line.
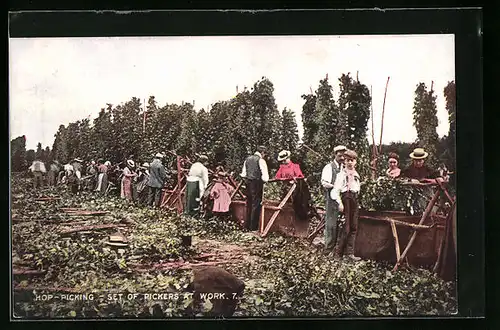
<point>255,173</point>
<point>328,177</point>
<point>345,193</point>
<point>38,169</point>
<point>197,182</point>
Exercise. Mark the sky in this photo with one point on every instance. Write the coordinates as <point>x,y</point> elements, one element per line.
<point>56,81</point>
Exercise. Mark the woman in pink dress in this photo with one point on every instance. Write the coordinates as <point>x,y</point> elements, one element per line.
<point>221,194</point>
<point>128,175</point>
<point>288,169</point>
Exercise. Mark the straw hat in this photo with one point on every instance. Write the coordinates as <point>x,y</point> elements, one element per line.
<point>107,163</point>
<point>419,153</point>
<point>130,163</point>
<point>284,154</point>
<point>145,165</point>
<point>159,155</point>
<point>339,148</point>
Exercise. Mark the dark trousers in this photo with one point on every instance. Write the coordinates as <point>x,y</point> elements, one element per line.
<point>51,178</point>
<point>74,187</point>
<point>37,179</point>
<point>347,239</point>
<point>192,206</point>
<point>154,196</point>
<point>254,200</point>
<point>331,222</point>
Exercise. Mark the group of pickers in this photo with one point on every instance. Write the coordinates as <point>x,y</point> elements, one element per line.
<point>341,182</point>
<point>140,184</point>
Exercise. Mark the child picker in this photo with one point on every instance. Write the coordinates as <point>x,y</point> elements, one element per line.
<point>72,181</point>
<point>345,192</point>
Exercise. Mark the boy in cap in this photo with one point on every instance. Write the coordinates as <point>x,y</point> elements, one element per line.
<point>345,193</point>
<point>72,181</point>
<point>328,176</point>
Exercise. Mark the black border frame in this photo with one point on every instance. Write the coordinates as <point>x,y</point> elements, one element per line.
<point>466,24</point>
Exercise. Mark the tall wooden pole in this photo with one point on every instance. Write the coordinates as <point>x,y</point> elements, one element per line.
<point>374,146</point>
<point>144,119</point>
<point>383,112</point>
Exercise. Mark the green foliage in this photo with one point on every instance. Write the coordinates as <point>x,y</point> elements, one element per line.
<point>327,137</point>
<point>18,154</point>
<point>451,107</point>
<point>60,150</point>
<point>343,130</point>
<point>310,120</point>
<point>266,119</point>
<point>186,142</point>
<point>282,276</point>
<point>100,140</point>
<point>39,151</point>
<point>425,121</point>
<point>289,132</point>
<point>30,156</point>
<point>385,194</point>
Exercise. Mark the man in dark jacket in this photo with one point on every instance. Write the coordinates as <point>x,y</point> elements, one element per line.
<point>255,173</point>
<point>157,176</point>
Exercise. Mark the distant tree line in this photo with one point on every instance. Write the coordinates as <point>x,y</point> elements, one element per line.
<point>232,129</point>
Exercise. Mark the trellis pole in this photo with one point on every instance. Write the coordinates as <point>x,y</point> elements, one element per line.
<point>383,112</point>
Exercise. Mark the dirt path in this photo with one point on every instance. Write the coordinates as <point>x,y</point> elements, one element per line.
<point>224,251</point>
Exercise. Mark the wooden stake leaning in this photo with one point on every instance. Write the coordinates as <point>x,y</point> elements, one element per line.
<point>414,235</point>
<point>440,256</point>
<point>280,206</point>
<point>396,240</point>
<point>236,190</point>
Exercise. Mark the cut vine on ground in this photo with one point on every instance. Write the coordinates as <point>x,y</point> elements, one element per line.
<point>283,276</point>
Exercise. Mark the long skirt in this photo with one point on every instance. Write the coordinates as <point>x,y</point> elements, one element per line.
<point>51,178</point>
<point>126,191</point>
<point>192,198</point>
<point>142,191</point>
<point>102,182</point>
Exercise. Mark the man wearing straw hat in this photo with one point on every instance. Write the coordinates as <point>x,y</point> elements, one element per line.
<point>419,172</point>
<point>255,173</point>
<point>328,176</point>
<point>157,176</point>
<point>77,167</point>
